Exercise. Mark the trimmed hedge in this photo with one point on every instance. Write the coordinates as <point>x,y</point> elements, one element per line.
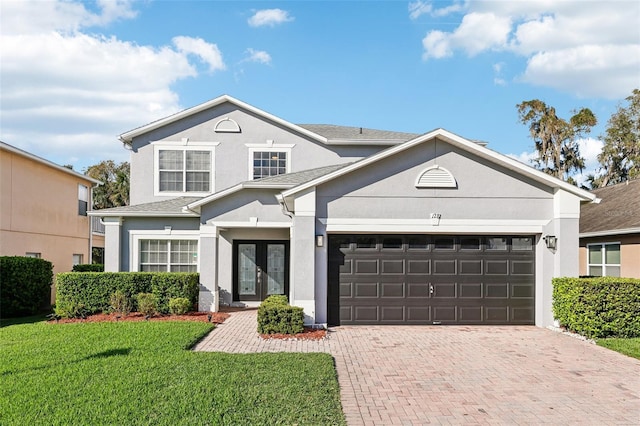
<point>81,293</point>
<point>275,315</point>
<point>598,307</point>
<point>25,285</point>
<point>88,267</point>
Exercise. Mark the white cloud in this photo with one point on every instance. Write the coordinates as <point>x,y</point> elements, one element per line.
<point>259,56</point>
<point>419,8</point>
<point>93,87</point>
<point>524,157</point>
<point>269,17</point>
<point>587,51</point>
<point>207,52</point>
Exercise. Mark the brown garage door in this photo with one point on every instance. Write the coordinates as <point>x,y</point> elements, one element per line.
<point>423,279</point>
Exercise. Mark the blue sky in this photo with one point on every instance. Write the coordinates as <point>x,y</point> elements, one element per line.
<point>75,75</point>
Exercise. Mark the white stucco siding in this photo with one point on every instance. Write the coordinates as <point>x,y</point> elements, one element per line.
<point>484,190</point>
<point>261,205</point>
<point>231,153</point>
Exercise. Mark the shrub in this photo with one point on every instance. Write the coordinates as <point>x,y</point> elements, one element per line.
<point>179,305</point>
<point>121,303</point>
<point>147,303</point>
<point>598,307</point>
<point>71,309</point>
<point>25,287</point>
<point>94,290</point>
<point>169,285</point>
<point>275,315</point>
<point>88,267</point>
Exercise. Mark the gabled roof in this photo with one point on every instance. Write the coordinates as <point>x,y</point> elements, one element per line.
<point>457,141</point>
<point>165,208</point>
<point>127,137</point>
<point>617,213</point>
<point>48,163</point>
<point>284,181</point>
<point>344,135</point>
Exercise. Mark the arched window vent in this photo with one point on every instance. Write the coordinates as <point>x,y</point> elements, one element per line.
<point>227,125</point>
<point>436,177</point>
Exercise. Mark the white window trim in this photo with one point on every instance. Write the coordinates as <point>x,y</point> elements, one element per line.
<point>183,145</point>
<point>167,234</point>
<point>603,253</point>
<point>269,145</point>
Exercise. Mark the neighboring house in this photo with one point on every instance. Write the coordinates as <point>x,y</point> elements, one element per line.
<point>43,210</point>
<point>357,226</point>
<point>610,232</point>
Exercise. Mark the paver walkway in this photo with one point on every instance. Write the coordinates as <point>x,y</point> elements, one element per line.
<point>414,375</point>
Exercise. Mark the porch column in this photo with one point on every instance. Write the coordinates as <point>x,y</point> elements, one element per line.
<point>303,265</point>
<point>208,299</point>
<point>112,247</point>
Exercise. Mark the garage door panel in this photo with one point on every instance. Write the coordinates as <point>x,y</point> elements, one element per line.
<point>415,279</point>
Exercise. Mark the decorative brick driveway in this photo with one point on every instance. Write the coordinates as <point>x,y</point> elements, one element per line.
<point>412,375</point>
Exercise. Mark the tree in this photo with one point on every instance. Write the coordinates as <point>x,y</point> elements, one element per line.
<point>620,156</point>
<point>556,140</point>
<point>114,190</point>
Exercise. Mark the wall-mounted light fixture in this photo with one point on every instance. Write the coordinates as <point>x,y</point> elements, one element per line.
<point>319,240</point>
<point>551,241</point>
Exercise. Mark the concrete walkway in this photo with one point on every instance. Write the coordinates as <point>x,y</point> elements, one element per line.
<point>414,375</point>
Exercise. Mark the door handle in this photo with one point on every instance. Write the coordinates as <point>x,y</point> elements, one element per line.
<point>430,288</point>
<point>259,275</point>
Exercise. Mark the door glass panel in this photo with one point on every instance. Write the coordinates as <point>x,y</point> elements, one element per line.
<point>418,243</point>
<point>612,254</point>
<point>392,243</point>
<point>595,254</point>
<point>366,243</point>
<point>275,268</point>
<point>496,243</point>
<point>522,243</point>
<point>247,269</point>
<point>470,243</point>
<point>443,243</point>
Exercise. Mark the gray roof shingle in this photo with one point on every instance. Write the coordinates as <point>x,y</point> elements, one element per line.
<point>333,132</point>
<point>297,178</point>
<point>619,208</point>
<point>165,207</point>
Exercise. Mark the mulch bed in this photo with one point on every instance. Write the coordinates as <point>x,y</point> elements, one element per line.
<point>309,333</point>
<point>216,317</point>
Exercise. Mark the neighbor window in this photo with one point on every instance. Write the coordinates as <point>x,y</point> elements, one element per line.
<point>604,259</point>
<point>168,255</point>
<point>32,254</point>
<point>269,163</point>
<point>184,170</point>
<point>77,259</point>
<point>83,200</point>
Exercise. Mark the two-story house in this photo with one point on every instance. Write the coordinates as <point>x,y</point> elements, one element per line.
<point>357,226</point>
<point>43,210</point>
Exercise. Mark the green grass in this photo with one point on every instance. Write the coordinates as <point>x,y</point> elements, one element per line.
<point>142,373</point>
<point>630,347</point>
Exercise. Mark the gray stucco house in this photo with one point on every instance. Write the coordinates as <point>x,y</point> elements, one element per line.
<point>357,226</point>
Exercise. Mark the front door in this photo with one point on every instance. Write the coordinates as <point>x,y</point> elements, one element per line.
<point>261,268</point>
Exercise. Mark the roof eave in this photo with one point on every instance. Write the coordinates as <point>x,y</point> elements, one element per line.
<point>128,137</point>
<point>383,142</point>
<point>142,214</point>
<point>609,232</point>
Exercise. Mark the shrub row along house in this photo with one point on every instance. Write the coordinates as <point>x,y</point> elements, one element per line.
<point>356,226</point>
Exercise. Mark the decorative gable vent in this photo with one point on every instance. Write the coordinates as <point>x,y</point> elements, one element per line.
<point>227,125</point>
<point>436,177</point>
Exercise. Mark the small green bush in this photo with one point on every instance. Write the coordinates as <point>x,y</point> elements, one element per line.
<point>169,285</point>
<point>88,267</point>
<point>121,303</point>
<point>179,306</point>
<point>598,307</point>
<point>275,315</point>
<point>25,285</point>
<point>147,303</point>
<point>71,309</point>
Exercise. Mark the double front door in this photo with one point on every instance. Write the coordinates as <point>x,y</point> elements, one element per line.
<point>261,268</point>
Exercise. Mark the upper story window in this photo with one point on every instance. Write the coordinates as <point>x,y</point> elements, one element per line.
<point>604,259</point>
<point>269,159</point>
<point>180,169</point>
<point>83,200</point>
<point>269,163</point>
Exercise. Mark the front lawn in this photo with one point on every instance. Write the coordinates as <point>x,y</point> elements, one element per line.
<point>630,347</point>
<point>142,373</point>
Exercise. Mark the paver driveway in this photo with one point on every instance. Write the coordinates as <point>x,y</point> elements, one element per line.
<point>451,375</point>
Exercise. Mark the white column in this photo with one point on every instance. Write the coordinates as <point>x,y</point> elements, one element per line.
<point>209,297</point>
<point>112,243</point>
